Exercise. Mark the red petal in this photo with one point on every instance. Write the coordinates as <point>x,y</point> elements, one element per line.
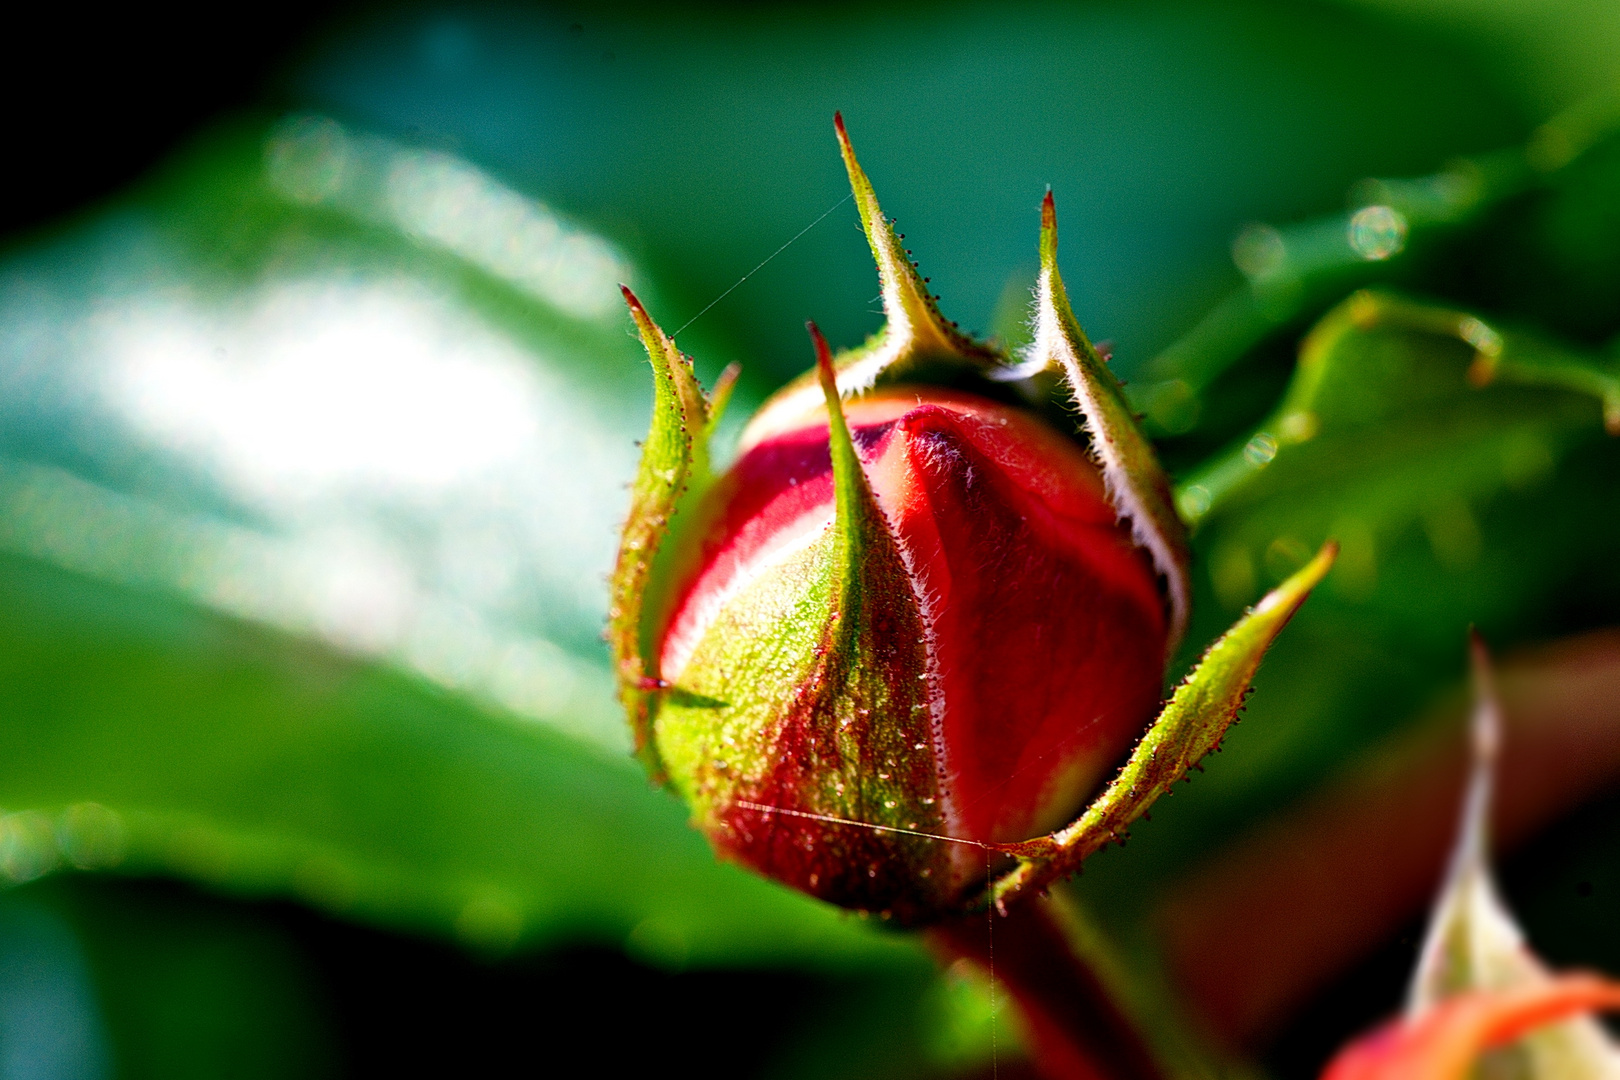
<point>1047,627</point>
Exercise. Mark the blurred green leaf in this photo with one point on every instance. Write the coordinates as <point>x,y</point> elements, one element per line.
<point>147,737</point>
<point>1528,232</point>
<point>1349,388</point>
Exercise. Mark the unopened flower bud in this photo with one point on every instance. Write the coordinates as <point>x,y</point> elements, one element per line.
<point>1009,648</point>
<point>899,643</point>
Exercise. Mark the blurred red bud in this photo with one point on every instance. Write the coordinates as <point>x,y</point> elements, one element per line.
<point>1446,1041</point>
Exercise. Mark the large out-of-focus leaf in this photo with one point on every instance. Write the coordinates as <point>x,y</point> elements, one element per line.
<point>374,408</point>
<point>144,736</point>
<point>367,394</point>
<point>352,389</point>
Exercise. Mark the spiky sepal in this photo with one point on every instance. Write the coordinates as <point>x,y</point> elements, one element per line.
<point>916,341</point>
<point>1137,486</point>
<point>1189,727</point>
<point>917,344</point>
<point>674,458</point>
<point>800,733</point>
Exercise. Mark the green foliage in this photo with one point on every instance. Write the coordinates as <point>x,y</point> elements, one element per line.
<point>172,741</point>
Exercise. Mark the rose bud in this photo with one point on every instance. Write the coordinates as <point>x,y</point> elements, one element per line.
<point>1010,618</point>
<point>907,634</point>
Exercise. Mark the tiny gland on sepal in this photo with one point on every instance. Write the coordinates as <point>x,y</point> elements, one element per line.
<point>917,616</point>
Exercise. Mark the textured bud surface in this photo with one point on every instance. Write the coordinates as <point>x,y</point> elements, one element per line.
<point>907,633</point>
<point>1009,649</point>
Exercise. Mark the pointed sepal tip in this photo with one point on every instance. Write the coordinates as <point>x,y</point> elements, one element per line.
<point>855,509</point>
<point>674,462</point>
<point>1137,486</point>
<point>916,341</point>
<point>825,373</point>
<point>1048,247</point>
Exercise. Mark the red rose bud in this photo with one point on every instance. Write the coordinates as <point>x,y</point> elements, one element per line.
<point>907,634</point>
<point>1013,648</point>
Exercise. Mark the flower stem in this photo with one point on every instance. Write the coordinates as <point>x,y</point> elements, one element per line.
<point>1078,1029</point>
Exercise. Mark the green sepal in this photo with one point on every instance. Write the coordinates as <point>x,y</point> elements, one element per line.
<point>915,331</point>
<point>916,341</point>
<point>869,570</point>
<point>1190,726</point>
<point>674,459</point>
<point>1137,486</point>
<point>799,730</point>
<point>1474,944</point>
<point>859,531</point>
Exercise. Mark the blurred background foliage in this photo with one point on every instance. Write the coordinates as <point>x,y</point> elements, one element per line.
<point>316,408</point>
